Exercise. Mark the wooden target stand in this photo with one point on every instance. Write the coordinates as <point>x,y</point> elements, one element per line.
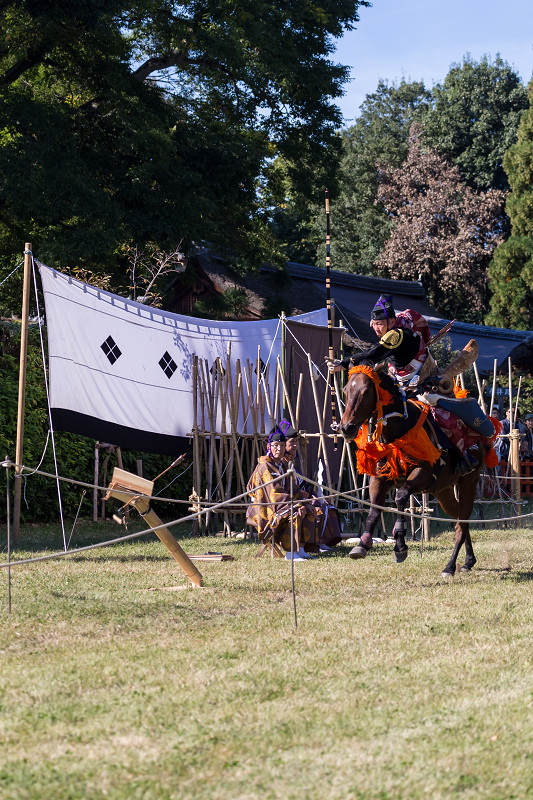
<point>135,491</point>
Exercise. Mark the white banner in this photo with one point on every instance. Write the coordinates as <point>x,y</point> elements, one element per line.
<point>121,371</point>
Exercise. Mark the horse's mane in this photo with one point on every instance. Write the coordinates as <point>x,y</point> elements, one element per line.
<point>388,383</point>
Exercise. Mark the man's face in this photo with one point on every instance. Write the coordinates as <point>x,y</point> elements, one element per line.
<point>381,326</point>
<point>529,422</point>
<point>291,448</point>
<point>278,450</point>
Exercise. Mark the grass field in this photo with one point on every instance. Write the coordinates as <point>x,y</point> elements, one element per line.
<point>395,684</point>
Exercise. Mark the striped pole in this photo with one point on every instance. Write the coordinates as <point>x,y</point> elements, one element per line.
<point>330,322</point>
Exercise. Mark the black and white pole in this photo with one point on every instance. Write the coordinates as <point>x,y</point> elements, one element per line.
<point>334,425</point>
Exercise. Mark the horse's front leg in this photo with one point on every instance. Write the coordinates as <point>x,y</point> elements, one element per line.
<point>470,559</point>
<point>378,490</point>
<point>416,481</point>
<point>401,551</point>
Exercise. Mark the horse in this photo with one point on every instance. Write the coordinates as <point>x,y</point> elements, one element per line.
<point>401,442</point>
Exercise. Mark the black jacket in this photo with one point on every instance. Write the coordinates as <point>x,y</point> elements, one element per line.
<point>398,346</point>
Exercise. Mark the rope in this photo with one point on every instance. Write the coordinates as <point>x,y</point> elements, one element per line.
<point>13,272</point>
<point>130,536</point>
<point>330,495</point>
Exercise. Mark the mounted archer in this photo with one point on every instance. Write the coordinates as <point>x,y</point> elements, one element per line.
<point>413,408</point>
<point>403,346</point>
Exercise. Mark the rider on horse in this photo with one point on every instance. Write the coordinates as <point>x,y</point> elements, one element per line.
<point>403,345</point>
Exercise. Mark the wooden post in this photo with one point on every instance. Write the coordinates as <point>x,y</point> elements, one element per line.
<point>122,485</point>
<point>426,532</point>
<point>302,446</point>
<point>22,390</point>
<point>96,480</point>
<point>514,461</point>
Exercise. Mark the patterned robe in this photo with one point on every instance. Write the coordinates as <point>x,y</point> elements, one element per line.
<point>271,507</point>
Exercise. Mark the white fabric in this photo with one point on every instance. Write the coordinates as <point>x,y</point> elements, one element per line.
<point>134,391</point>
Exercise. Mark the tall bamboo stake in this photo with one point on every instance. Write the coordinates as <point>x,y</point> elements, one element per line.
<point>286,399</point>
<point>330,320</point>
<point>22,390</point>
<point>493,395</point>
<point>479,389</point>
<point>320,425</point>
<point>299,400</point>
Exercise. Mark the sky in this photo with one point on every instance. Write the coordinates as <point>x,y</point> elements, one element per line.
<point>420,39</point>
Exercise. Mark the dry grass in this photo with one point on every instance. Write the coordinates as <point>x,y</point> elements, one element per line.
<point>396,683</point>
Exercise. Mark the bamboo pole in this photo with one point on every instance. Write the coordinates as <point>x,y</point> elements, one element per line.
<point>197,470</point>
<point>426,531</point>
<point>299,400</point>
<point>479,389</point>
<point>510,393</point>
<point>283,359</point>
<point>353,471</point>
<point>319,417</point>
<point>267,400</point>
<point>515,418</point>
<point>493,395</point>
<point>19,450</point>
<point>286,397</point>
<point>276,394</point>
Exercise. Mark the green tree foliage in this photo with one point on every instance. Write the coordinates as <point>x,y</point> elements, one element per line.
<point>443,233</point>
<point>474,117</point>
<point>359,226</point>
<point>128,122</point>
<point>511,270</point>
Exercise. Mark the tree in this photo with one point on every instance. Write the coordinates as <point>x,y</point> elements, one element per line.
<point>473,118</point>
<point>153,121</point>
<point>360,226</point>
<point>511,270</point>
<point>443,232</point>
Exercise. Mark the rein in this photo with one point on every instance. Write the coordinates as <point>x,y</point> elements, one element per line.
<point>384,397</point>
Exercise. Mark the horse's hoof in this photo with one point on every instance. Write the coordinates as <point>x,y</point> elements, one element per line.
<point>400,556</point>
<point>447,575</point>
<point>358,552</point>
<point>464,568</point>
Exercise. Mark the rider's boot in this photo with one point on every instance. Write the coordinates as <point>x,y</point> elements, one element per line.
<point>360,550</point>
<point>467,463</point>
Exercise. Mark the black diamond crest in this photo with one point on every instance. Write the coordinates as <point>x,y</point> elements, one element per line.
<point>111,349</point>
<point>168,365</point>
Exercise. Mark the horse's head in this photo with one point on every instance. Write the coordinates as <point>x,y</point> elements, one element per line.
<point>361,397</point>
<point>361,393</point>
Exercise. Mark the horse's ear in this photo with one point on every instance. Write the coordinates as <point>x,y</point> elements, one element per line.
<point>380,367</point>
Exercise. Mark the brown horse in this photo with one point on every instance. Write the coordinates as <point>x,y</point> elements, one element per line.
<point>442,480</point>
